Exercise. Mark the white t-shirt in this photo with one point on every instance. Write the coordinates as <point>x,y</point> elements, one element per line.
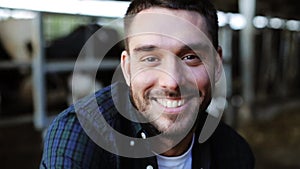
<point>183,161</point>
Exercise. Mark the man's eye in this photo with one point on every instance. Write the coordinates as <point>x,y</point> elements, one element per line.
<point>151,59</point>
<point>190,57</point>
<point>192,60</point>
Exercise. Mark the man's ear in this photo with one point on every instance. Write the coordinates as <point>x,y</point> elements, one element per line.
<point>219,64</point>
<point>125,65</point>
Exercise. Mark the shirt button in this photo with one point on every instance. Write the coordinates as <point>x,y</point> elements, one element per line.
<point>149,167</point>
<point>143,135</point>
<point>131,143</point>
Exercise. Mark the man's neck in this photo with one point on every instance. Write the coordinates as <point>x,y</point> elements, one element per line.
<point>181,147</point>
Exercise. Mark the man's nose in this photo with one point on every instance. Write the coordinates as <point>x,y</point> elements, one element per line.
<point>172,75</point>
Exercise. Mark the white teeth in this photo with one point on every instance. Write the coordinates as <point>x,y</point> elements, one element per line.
<point>170,103</point>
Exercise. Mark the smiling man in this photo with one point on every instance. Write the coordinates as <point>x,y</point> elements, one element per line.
<point>171,65</point>
<point>163,67</point>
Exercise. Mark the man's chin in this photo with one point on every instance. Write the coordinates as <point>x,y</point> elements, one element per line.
<point>174,131</point>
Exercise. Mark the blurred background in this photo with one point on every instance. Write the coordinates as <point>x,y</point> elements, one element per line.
<point>40,42</point>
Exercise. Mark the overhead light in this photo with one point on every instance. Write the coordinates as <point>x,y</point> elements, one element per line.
<point>260,22</point>
<point>293,25</point>
<point>16,14</point>
<point>276,23</point>
<point>237,21</point>
<point>86,7</point>
<point>21,14</point>
<point>222,18</point>
<point>4,14</point>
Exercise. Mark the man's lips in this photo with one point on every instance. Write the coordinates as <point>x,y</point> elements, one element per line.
<point>168,103</point>
<point>172,99</point>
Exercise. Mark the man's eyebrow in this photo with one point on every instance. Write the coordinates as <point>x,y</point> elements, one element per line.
<point>189,47</point>
<point>195,47</point>
<point>145,48</point>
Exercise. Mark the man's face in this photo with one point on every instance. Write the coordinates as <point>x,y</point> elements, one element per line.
<point>165,67</point>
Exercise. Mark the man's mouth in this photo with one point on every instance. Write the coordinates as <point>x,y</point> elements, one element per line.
<point>168,103</point>
<point>171,99</point>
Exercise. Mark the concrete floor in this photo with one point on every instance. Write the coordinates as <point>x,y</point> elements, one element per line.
<point>20,147</point>
<point>275,142</point>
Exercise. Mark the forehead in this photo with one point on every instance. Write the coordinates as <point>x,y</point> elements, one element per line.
<point>162,24</point>
<point>190,16</point>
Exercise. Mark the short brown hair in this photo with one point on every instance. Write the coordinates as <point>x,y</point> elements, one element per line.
<point>203,7</point>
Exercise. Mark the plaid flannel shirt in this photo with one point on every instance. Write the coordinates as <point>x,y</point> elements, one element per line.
<point>68,146</point>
